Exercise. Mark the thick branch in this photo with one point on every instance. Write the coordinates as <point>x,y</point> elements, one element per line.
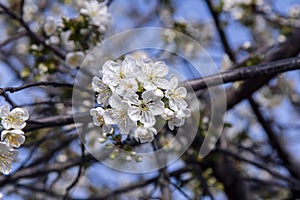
<point>288,49</point>
<point>239,74</point>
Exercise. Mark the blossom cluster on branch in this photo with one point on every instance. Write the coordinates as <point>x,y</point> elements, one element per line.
<point>133,95</point>
<point>12,136</point>
<point>75,37</point>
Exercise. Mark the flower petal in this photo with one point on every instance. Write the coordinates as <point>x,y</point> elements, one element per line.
<point>4,111</point>
<point>161,69</point>
<point>157,107</point>
<point>147,118</point>
<point>134,113</point>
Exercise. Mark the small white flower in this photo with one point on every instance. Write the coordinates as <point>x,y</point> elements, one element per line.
<point>13,138</point>
<point>98,12</point>
<point>144,110</point>
<point>113,73</point>
<point>168,114</point>
<point>143,134</point>
<point>66,42</point>
<point>176,95</point>
<point>118,115</point>
<point>98,118</point>
<point>13,119</point>
<point>7,156</point>
<point>127,85</point>
<point>103,90</point>
<point>75,58</point>
<point>152,74</point>
<point>179,118</point>
<point>50,26</point>
<point>54,39</point>
<point>159,93</point>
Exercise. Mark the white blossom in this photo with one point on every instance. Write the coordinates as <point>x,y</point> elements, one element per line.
<point>14,138</point>
<point>103,90</point>
<point>127,85</point>
<point>98,12</point>
<point>113,73</point>
<point>152,74</point>
<point>53,40</point>
<point>66,42</point>
<point>50,26</point>
<point>118,115</point>
<point>176,95</point>
<point>13,119</point>
<point>179,118</point>
<point>98,118</point>
<point>7,156</point>
<point>75,58</point>
<point>146,109</point>
<point>143,134</point>
<point>168,114</point>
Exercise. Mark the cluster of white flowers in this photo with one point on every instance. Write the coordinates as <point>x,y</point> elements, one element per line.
<point>98,12</point>
<point>133,94</point>
<point>12,136</point>
<point>97,15</point>
<point>236,7</point>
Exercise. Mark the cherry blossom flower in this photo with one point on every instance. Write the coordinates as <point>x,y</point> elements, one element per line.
<point>127,85</point>
<point>103,90</point>
<point>13,119</point>
<point>75,58</point>
<point>144,135</point>
<point>179,118</point>
<point>98,119</point>
<point>144,110</point>
<point>168,114</point>
<point>118,115</point>
<point>50,26</point>
<point>7,156</point>
<point>66,42</point>
<point>113,73</point>
<point>152,74</point>
<point>176,95</point>
<point>98,12</point>
<point>14,138</point>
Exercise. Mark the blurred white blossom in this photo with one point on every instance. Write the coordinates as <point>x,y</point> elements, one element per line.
<point>98,12</point>
<point>50,26</point>
<point>75,58</point>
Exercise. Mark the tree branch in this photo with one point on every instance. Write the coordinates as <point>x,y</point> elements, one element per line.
<point>239,74</point>
<point>220,30</point>
<point>289,48</point>
<point>288,161</point>
<point>35,84</point>
<point>34,36</point>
